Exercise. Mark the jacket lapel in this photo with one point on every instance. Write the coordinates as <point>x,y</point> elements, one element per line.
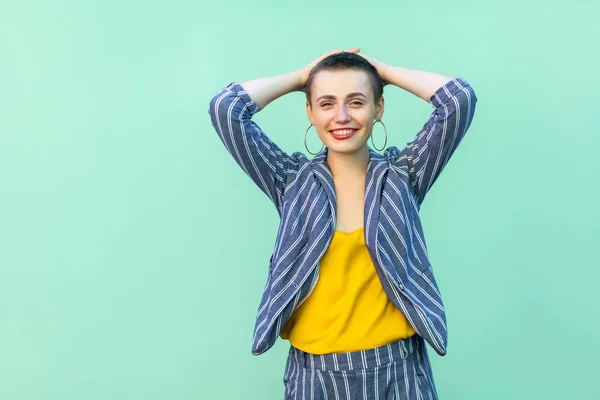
<point>323,174</point>
<point>376,173</point>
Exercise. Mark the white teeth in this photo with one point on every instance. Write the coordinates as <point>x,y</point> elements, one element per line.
<point>343,132</point>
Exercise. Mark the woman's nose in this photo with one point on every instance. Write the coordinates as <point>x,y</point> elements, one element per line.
<point>342,114</point>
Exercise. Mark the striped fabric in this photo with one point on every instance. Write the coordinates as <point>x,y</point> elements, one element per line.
<point>398,370</point>
<point>302,191</point>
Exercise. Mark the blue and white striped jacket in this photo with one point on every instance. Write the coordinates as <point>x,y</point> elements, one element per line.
<point>303,193</point>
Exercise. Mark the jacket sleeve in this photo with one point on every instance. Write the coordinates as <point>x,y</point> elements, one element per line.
<point>429,152</point>
<point>231,112</point>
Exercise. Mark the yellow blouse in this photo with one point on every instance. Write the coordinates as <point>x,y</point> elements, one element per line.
<point>348,309</point>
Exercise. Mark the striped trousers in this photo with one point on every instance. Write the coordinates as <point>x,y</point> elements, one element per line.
<point>399,370</point>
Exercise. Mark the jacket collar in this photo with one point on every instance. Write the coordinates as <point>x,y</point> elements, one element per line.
<point>376,171</point>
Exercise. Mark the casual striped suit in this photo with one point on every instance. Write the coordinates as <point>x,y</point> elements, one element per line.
<point>302,191</point>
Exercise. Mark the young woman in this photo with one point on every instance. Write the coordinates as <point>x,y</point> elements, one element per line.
<point>349,284</point>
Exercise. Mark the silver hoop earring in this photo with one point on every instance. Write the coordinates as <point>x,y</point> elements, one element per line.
<point>305,133</point>
<point>384,143</point>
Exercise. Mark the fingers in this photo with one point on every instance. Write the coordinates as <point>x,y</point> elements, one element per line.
<point>352,50</point>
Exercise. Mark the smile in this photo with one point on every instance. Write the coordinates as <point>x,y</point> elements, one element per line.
<point>342,134</point>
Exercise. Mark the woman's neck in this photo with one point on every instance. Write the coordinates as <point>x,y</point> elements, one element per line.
<point>348,165</point>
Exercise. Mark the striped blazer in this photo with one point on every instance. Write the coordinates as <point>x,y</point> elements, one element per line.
<point>303,192</point>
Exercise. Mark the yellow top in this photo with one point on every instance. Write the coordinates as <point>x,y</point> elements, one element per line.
<point>348,309</point>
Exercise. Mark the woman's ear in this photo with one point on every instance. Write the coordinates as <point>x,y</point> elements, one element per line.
<point>380,108</point>
<point>309,112</point>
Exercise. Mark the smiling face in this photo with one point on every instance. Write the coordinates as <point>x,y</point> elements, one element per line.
<point>343,99</point>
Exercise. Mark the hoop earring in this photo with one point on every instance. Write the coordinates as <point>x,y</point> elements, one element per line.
<point>384,143</point>
<point>307,147</point>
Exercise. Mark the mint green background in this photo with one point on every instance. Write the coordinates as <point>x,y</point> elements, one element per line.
<point>131,269</point>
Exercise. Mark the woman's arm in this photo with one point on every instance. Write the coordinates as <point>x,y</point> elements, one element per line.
<point>434,145</point>
<point>454,101</point>
<point>265,90</point>
<point>420,83</point>
<point>231,111</point>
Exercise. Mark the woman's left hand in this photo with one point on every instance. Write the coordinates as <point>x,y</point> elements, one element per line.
<point>382,69</point>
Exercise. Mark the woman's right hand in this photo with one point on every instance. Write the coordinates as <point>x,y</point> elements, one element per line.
<point>305,71</point>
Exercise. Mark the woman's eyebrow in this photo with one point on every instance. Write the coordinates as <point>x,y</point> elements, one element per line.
<point>332,97</point>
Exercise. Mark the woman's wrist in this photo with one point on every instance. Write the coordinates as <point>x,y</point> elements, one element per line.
<point>299,77</point>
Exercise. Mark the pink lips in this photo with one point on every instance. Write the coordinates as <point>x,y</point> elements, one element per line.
<point>343,137</point>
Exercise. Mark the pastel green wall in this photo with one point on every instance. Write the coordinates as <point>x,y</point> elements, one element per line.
<point>130,269</point>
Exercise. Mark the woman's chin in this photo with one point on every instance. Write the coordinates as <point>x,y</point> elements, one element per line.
<point>344,146</point>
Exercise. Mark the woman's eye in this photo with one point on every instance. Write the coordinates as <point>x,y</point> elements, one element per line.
<point>354,102</point>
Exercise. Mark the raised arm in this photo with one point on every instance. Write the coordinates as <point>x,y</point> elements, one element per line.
<point>430,151</point>
<point>454,102</point>
<point>265,90</point>
<point>231,112</point>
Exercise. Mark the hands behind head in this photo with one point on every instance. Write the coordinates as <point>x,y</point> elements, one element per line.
<point>382,69</point>
<point>305,71</point>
